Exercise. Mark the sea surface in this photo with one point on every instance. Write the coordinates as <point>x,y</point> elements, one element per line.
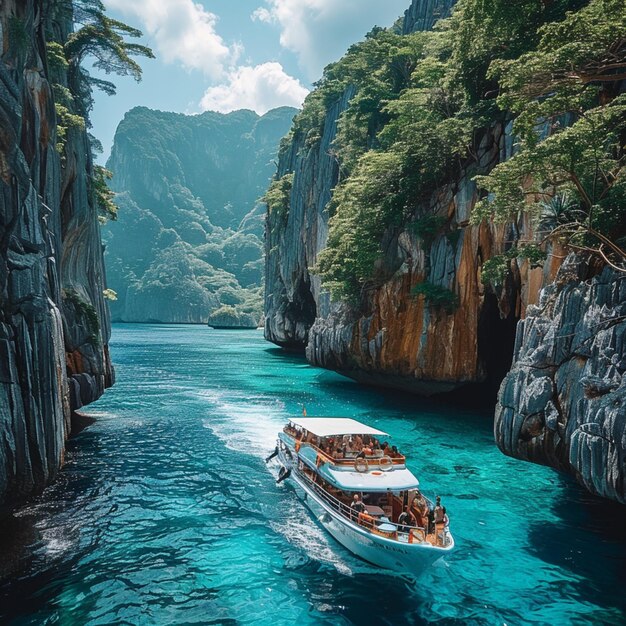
<point>166,513</point>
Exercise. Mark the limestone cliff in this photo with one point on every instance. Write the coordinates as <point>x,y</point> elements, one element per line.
<point>560,405</point>
<point>399,340</point>
<point>54,326</point>
<point>393,338</point>
<point>563,403</point>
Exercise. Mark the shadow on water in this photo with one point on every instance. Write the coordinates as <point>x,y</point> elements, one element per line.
<point>477,399</point>
<point>585,519</point>
<point>351,598</point>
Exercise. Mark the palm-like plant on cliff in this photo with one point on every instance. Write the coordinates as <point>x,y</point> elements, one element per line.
<point>104,40</point>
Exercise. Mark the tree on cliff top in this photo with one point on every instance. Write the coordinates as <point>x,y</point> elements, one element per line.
<point>105,40</point>
<point>401,139</point>
<point>573,181</point>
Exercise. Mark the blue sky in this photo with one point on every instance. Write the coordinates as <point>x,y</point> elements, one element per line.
<point>229,54</point>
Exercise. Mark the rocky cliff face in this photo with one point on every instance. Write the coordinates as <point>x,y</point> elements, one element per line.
<point>399,340</point>
<point>293,295</point>
<point>54,326</point>
<point>423,14</point>
<point>563,403</point>
<point>393,338</point>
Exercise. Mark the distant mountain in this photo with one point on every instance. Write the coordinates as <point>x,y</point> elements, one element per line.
<point>188,239</point>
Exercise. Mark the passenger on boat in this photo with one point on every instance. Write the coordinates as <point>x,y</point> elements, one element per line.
<point>357,504</point>
<point>339,453</point>
<point>394,454</point>
<point>439,516</point>
<point>439,511</point>
<point>358,443</point>
<point>405,520</point>
<point>419,503</point>
<point>420,509</point>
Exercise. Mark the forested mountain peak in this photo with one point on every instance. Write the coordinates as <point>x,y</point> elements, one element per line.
<point>189,236</point>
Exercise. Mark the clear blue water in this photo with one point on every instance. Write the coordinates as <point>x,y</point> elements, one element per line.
<point>165,512</point>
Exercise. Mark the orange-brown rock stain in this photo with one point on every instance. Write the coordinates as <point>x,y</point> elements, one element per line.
<point>74,363</point>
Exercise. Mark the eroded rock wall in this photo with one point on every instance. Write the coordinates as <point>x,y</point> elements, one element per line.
<point>400,340</point>
<point>563,403</point>
<point>293,296</point>
<point>54,327</point>
<point>294,299</point>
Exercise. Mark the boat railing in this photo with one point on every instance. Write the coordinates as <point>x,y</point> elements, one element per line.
<point>381,460</point>
<point>411,534</point>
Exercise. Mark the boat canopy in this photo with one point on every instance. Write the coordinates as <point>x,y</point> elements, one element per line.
<point>395,480</point>
<point>335,426</point>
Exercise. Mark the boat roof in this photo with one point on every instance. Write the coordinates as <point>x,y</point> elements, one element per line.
<point>332,426</point>
<point>398,479</point>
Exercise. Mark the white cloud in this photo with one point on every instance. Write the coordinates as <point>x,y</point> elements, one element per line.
<point>262,15</point>
<point>320,31</point>
<point>260,88</point>
<point>183,32</point>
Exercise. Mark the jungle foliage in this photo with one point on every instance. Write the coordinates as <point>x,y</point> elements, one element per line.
<point>94,38</point>
<point>418,106</point>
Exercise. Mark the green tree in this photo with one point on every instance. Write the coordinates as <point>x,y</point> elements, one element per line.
<point>104,40</point>
<point>570,84</point>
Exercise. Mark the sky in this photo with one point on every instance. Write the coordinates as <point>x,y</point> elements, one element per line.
<point>224,55</point>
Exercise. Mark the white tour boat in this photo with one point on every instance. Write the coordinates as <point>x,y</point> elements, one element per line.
<point>362,493</point>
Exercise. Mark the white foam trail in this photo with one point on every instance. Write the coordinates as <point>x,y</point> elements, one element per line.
<point>244,423</point>
<point>97,414</point>
<point>312,540</point>
<point>55,541</point>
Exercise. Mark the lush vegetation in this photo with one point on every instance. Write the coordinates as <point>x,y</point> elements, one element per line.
<point>436,296</point>
<point>419,106</point>
<point>188,239</point>
<point>573,182</point>
<point>277,198</point>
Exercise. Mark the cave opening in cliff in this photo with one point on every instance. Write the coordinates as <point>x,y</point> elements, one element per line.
<point>496,342</point>
<point>302,310</point>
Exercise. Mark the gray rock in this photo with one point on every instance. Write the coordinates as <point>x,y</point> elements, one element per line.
<point>571,372</point>
<point>54,323</point>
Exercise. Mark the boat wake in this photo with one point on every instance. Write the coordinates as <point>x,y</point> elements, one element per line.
<point>244,423</point>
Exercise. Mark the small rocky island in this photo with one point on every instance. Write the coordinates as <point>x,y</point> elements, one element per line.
<point>228,318</point>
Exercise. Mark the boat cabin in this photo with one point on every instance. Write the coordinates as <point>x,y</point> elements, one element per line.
<point>343,440</point>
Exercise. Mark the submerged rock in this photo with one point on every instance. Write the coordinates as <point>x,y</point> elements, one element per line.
<point>563,403</point>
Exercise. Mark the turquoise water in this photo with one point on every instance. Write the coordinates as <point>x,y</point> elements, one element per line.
<point>165,512</point>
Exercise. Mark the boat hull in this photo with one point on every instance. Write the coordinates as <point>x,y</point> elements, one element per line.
<point>377,550</point>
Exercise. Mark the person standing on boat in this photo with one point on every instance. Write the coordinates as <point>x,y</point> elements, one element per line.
<point>439,511</point>
<point>406,520</point>
<point>357,506</point>
<point>439,515</point>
